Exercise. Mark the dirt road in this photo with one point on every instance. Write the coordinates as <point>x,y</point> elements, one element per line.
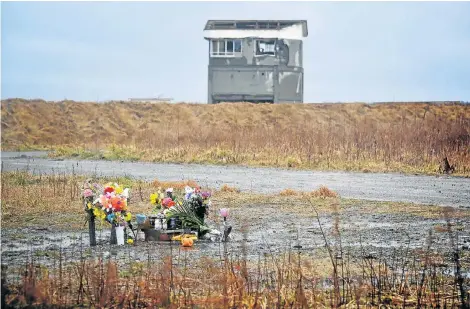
<point>435,190</point>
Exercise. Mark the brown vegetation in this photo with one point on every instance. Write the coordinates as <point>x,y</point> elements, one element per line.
<point>174,184</point>
<point>227,188</point>
<point>324,192</point>
<point>411,137</point>
<point>288,192</point>
<point>290,280</point>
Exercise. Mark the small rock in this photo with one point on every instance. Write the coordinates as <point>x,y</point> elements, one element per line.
<point>53,248</point>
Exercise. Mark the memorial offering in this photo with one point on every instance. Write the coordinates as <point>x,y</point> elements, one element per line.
<point>109,203</point>
<point>181,210</point>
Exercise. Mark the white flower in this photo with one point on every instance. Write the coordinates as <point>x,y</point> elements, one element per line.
<point>188,189</point>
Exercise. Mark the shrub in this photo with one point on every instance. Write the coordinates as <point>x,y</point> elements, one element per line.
<point>324,192</point>
<point>288,192</point>
<point>226,188</point>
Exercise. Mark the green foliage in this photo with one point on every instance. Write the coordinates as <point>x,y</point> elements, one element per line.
<point>186,213</point>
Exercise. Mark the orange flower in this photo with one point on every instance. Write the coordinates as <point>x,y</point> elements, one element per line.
<point>117,203</point>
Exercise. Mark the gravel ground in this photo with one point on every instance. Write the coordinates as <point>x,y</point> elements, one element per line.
<point>426,190</point>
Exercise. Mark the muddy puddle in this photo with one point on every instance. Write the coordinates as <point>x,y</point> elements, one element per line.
<point>263,231</point>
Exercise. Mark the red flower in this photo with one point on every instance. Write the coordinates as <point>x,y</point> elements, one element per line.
<point>108,189</point>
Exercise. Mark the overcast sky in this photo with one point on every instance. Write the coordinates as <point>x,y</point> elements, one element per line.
<point>355,51</point>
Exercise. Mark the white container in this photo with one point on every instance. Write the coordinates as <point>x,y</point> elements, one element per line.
<point>161,224</point>
<point>120,235</point>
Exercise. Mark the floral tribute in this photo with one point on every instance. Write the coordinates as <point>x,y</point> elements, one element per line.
<point>190,206</point>
<point>162,201</point>
<point>108,203</point>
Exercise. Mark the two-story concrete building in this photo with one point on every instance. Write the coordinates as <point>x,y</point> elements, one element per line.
<point>255,60</point>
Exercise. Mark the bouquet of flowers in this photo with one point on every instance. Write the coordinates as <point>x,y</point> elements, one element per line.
<point>108,203</point>
<point>198,201</point>
<point>162,201</point>
<point>190,209</point>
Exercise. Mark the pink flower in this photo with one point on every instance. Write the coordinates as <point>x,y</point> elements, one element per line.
<point>166,201</point>
<point>87,193</point>
<point>224,212</point>
<point>103,200</point>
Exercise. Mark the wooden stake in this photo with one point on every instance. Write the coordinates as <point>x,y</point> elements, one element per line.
<point>91,228</point>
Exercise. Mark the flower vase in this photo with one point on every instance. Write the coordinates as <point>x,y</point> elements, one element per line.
<point>120,235</point>
<point>113,240</point>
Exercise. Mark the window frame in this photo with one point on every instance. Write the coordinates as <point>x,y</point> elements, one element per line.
<point>226,53</point>
<point>256,43</point>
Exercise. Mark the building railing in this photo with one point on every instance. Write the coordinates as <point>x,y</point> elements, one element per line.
<point>275,25</point>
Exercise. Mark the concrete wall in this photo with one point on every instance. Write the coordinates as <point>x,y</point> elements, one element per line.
<point>246,76</point>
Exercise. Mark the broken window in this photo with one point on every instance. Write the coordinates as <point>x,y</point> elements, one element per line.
<point>225,47</point>
<point>265,47</point>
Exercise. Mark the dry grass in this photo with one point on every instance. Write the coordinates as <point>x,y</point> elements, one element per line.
<point>289,280</point>
<point>324,192</point>
<point>178,185</point>
<point>288,192</point>
<point>361,137</point>
<point>226,188</point>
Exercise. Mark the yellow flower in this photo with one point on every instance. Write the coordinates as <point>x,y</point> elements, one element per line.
<point>99,213</point>
<point>89,205</point>
<point>128,216</point>
<point>130,241</point>
<point>153,198</point>
<point>118,190</point>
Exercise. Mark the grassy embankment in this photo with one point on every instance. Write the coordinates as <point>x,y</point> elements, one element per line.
<point>279,280</point>
<point>410,138</point>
